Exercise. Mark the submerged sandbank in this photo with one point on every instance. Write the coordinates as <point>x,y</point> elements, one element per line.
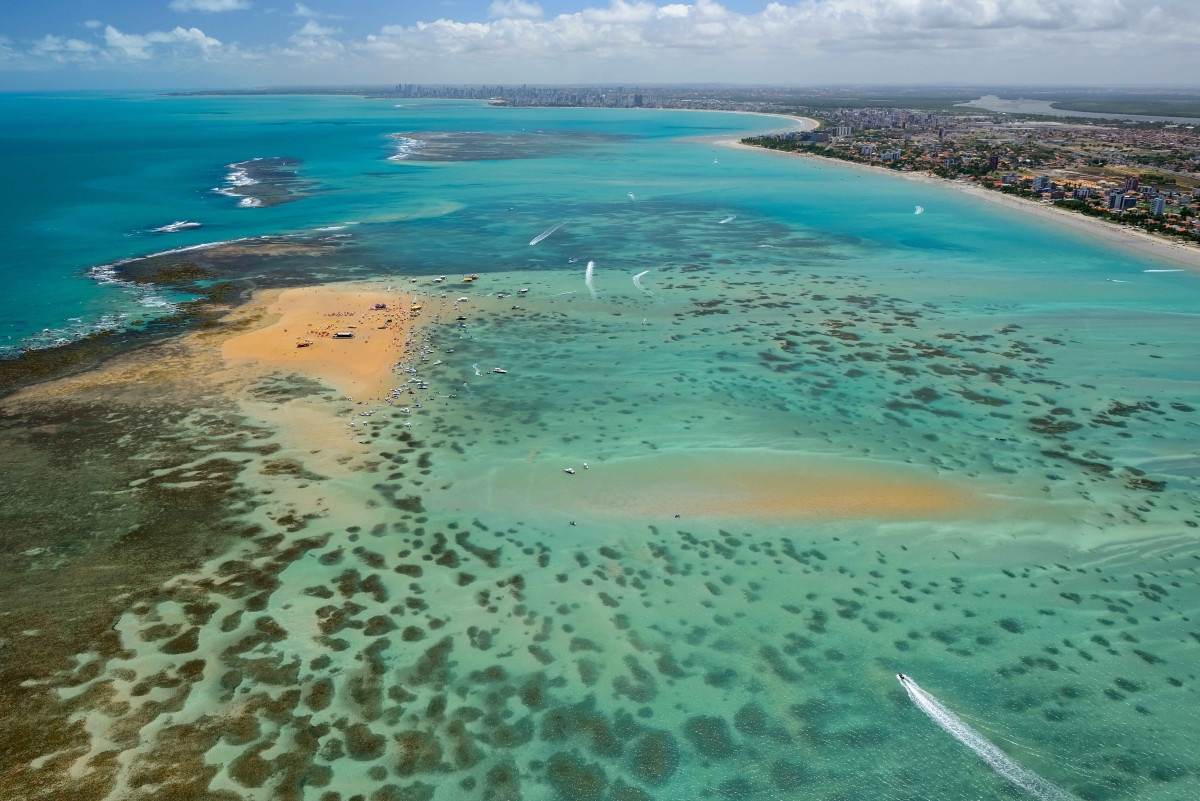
<point>721,483</point>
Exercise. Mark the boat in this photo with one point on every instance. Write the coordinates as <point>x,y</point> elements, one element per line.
<point>570,470</point>
<point>469,278</point>
<point>572,260</point>
<point>522,291</point>
<point>498,370</point>
<point>461,300</point>
<point>902,678</point>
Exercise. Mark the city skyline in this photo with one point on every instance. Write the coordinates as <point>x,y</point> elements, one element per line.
<point>245,43</point>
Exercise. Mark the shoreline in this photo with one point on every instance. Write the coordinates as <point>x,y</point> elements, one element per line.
<point>1129,238</point>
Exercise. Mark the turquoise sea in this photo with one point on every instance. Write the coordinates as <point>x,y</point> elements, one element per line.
<point>827,440</point>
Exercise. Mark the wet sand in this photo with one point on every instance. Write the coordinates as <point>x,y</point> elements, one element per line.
<point>721,484</point>
<point>359,367</point>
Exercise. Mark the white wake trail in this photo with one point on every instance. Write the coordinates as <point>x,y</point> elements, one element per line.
<point>587,278</point>
<point>637,281</point>
<point>546,233</point>
<point>996,759</point>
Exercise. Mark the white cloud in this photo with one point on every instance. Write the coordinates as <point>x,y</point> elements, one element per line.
<point>514,9</point>
<point>60,45</point>
<point>640,29</point>
<point>208,6</point>
<point>93,23</point>
<point>801,42</point>
<point>313,28</point>
<point>140,47</point>
<point>302,10</point>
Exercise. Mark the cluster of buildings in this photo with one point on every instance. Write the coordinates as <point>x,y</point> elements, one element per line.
<point>1035,167</point>
<point>1116,196</point>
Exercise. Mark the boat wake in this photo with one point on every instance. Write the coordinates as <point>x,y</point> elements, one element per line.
<point>476,366</point>
<point>546,233</point>
<point>996,759</point>
<point>730,218</point>
<point>587,278</point>
<point>637,281</point>
<point>920,210</point>
<point>179,225</point>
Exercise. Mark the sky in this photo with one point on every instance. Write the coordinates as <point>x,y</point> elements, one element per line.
<point>192,44</point>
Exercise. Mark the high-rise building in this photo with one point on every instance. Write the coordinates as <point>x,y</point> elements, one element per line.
<point>1081,192</point>
<point>1116,201</point>
<point>1158,205</point>
<point>993,162</point>
<point>1041,183</point>
<point>843,130</point>
<point>1131,184</point>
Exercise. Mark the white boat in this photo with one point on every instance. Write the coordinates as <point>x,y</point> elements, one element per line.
<point>522,291</point>
<point>569,470</point>
<point>498,370</point>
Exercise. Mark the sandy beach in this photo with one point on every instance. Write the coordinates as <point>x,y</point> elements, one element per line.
<point>1134,239</point>
<point>301,337</point>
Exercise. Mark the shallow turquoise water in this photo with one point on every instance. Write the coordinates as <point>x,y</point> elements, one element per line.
<point>477,645</point>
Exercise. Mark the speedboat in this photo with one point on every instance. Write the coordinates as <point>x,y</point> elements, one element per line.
<point>902,678</point>
<point>570,470</point>
<point>498,370</point>
<point>572,260</point>
<point>522,291</point>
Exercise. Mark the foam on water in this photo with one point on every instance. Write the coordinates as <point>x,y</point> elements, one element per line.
<point>996,759</point>
<point>546,233</point>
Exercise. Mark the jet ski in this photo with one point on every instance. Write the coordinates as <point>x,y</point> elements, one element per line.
<point>902,678</point>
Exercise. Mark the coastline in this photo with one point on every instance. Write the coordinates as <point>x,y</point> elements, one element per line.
<point>1132,239</point>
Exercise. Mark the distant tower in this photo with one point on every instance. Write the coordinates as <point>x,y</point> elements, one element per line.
<point>993,162</point>
<point>1131,184</point>
<point>1158,205</point>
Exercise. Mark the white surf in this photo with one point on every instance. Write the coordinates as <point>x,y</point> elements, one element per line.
<point>996,759</point>
<point>587,278</point>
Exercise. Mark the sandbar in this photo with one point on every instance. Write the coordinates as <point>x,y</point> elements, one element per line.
<point>719,484</point>
<point>300,338</point>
